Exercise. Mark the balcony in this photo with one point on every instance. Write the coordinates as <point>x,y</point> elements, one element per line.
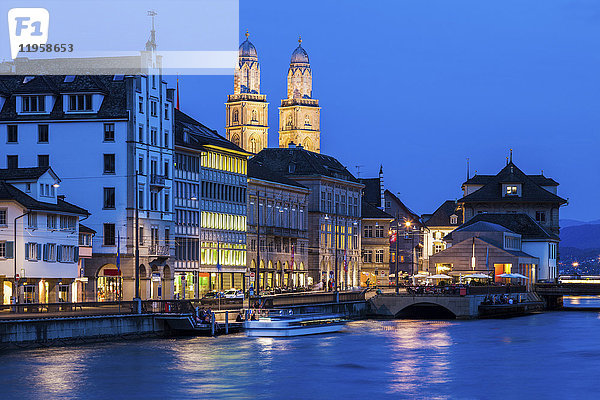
<point>159,251</point>
<point>157,181</point>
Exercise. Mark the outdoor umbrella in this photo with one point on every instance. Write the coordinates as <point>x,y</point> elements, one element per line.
<point>440,276</point>
<point>477,276</point>
<point>520,276</point>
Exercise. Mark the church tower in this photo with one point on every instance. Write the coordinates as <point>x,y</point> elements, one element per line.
<point>299,114</point>
<point>247,109</point>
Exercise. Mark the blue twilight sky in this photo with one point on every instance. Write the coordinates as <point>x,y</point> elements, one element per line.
<point>420,85</point>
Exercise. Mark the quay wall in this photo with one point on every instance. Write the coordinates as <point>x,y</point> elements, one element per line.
<point>82,329</point>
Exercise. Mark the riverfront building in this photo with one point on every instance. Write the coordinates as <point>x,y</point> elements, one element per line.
<point>110,138</point>
<point>210,207</point>
<point>39,238</point>
<point>278,223</point>
<point>334,205</point>
<point>444,220</point>
<point>512,191</point>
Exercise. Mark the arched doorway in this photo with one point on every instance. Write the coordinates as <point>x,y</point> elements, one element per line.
<point>109,283</point>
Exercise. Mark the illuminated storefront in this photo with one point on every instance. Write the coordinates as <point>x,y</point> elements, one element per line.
<point>185,285</point>
<point>110,284</point>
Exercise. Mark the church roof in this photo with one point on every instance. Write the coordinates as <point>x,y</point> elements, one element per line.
<point>299,56</point>
<point>247,49</point>
<point>531,191</point>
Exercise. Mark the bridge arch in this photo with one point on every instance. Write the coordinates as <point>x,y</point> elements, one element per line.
<point>425,310</point>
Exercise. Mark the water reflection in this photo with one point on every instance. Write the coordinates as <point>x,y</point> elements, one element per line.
<point>372,359</point>
<point>420,355</point>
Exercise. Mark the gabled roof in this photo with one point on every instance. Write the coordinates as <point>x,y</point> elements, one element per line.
<point>483,179</point>
<point>86,229</point>
<point>371,191</point>
<point>441,216</point>
<point>114,104</point>
<point>369,211</point>
<point>522,224</point>
<point>9,192</point>
<point>482,226</point>
<point>257,170</point>
<point>33,173</point>
<point>198,134</point>
<point>298,161</point>
<point>530,190</point>
<point>407,210</point>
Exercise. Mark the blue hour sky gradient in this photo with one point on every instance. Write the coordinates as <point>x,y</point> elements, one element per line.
<point>420,85</point>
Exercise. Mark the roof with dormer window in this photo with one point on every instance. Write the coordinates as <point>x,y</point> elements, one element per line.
<point>9,192</point>
<point>114,104</point>
<point>531,190</point>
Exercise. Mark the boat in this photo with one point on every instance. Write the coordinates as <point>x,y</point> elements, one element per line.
<point>284,325</point>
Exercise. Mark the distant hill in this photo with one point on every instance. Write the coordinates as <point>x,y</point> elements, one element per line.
<point>565,223</point>
<point>581,236</point>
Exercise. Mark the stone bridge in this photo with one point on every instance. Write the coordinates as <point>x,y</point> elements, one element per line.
<point>429,306</point>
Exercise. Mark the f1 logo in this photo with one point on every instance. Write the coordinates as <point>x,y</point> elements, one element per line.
<point>27,26</point>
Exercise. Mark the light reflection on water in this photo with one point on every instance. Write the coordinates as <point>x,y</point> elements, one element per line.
<point>553,355</point>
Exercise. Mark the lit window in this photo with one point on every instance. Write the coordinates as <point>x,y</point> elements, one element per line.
<point>33,103</point>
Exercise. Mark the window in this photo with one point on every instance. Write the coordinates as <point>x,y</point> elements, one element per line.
<point>236,116</point>
<point>166,171</point>
<point>153,136</point>
<point>50,253</point>
<point>254,116</point>
<point>42,133</point>
<point>367,256</point>
<point>379,231</point>
<point>66,253</point>
<point>141,198</point>
<point>141,235</point>
<point>67,223</point>
<point>141,134</point>
<point>453,219</point>
<point>32,220</point>
<point>511,190</point>
<point>540,216</point>
<point>3,217</point>
<point>141,105</point>
<point>378,256</point>
<point>31,251</point>
<point>69,78</point>
<point>368,231</point>
<point>153,108</point>
<point>33,104</point>
<point>51,221</point>
<point>167,200</point>
<point>307,120</point>
<point>109,197</point>
<point>109,163</point>
<point>109,234</point>
<point>153,201</point>
<point>43,160</point>
<point>166,111</point>
<point>6,249</point>
<point>80,102</point>
<point>141,165</point>
<point>166,144</point>
<point>12,136</point>
<point>109,132</point>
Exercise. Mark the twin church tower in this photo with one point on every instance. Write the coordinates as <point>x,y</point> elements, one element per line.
<point>247,109</point>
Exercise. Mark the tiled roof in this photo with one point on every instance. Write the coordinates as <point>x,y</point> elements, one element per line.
<point>441,216</point>
<point>298,161</point>
<point>22,173</point>
<point>522,224</point>
<point>114,104</point>
<point>483,179</point>
<point>198,135</point>
<point>257,170</point>
<point>368,210</point>
<point>530,190</point>
<point>9,192</point>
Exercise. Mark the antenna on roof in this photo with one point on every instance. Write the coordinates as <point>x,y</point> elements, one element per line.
<point>506,160</point>
<point>358,167</point>
<point>178,91</point>
<point>511,155</point>
<point>468,174</point>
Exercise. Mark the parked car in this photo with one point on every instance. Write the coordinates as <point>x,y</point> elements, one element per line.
<point>233,294</point>
<point>213,294</point>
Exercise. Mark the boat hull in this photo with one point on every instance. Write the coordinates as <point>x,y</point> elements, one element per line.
<point>293,331</point>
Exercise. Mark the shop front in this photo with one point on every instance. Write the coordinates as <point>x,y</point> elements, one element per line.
<point>109,284</point>
<point>185,285</point>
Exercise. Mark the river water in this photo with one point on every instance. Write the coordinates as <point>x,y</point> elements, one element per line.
<point>551,355</point>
